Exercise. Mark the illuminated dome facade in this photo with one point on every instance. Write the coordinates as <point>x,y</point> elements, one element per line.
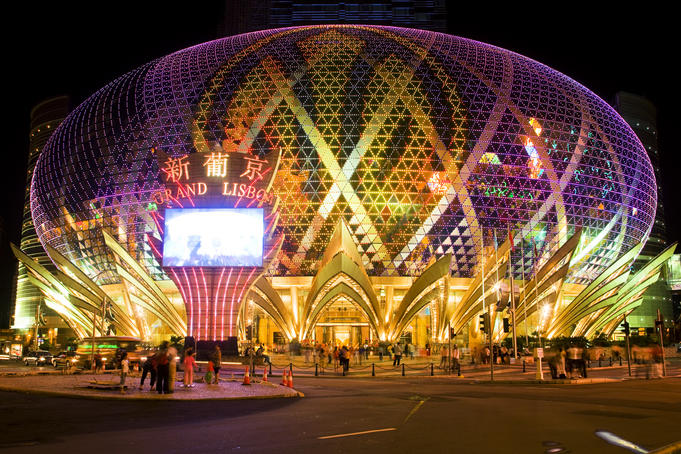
<point>425,144</point>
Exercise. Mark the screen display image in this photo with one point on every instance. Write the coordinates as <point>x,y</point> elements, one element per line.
<point>213,237</point>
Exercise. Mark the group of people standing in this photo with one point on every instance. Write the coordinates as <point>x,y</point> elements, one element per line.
<point>447,353</point>
<point>568,363</point>
<point>159,367</point>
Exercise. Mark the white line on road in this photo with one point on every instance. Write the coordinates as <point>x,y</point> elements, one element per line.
<point>357,433</point>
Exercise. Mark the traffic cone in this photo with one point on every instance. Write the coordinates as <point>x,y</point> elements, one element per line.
<point>247,377</point>
<point>264,374</point>
<point>284,380</point>
<point>290,380</point>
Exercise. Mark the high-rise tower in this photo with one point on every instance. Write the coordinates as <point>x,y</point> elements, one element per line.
<point>45,117</point>
<point>641,115</point>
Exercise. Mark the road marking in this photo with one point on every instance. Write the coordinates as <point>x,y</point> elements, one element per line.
<point>413,410</point>
<point>357,433</point>
<point>621,442</point>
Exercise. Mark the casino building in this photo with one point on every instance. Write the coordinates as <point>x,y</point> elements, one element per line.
<point>341,183</point>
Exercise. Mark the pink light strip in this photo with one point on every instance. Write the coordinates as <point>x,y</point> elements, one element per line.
<point>222,310</point>
<point>231,306</point>
<point>205,292</point>
<point>184,297</point>
<point>158,224</point>
<point>151,245</point>
<point>242,293</point>
<point>191,301</point>
<point>215,306</point>
<point>198,296</point>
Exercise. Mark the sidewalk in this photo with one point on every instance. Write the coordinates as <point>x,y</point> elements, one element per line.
<point>77,386</point>
<point>421,367</point>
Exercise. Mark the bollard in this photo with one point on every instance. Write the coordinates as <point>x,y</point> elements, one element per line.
<point>403,369</point>
<point>373,370</point>
<point>620,360</point>
<point>270,367</point>
<point>290,367</point>
<point>523,364</point>
<point>431,369</point>
<point>316,372</point>
<point>599,361</point>
<point>458,369</point>
<point>611,361</point>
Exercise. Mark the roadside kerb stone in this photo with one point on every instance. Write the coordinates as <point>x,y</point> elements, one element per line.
<point>76,387</point>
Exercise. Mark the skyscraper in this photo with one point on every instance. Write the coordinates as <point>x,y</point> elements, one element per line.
<point>45,117</point>
<point>243,16</point>
<point>641,115</point>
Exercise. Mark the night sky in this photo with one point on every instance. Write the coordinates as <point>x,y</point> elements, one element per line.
<point>64,48</point>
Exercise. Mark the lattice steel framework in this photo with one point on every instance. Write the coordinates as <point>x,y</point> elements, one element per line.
<point>425,144</point>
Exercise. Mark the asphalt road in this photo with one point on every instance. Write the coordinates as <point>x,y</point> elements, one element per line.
<point>429,415</point>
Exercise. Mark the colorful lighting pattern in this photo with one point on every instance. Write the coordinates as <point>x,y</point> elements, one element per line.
<point>365,117</point>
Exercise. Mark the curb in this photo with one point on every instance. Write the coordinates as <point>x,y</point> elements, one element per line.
<point>43,392</point>
<point>587,381</point>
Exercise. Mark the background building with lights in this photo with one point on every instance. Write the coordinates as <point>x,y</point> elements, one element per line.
<point>28,307</point>
<point>407,180</point>
<point>641,115</point>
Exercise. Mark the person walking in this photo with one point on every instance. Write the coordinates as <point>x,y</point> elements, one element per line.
<point>98,363</point>
<point>455,359</point>
<point>345,357</point>
<point>149,368</point>
<point>163,370</point>
<point>216,359</point>
<point>573,357</point>
<point>444,355</point>
<point>189,364</point>
<point>397,351</point>
<point>125,368</point>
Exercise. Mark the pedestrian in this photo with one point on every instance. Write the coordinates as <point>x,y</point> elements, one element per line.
<point>262,352</point>
<point>576,365</point>
<point>149,368</point>
<point>444,355</point>
<point>345,358</point>
<point>336,358</point>
<point>560,364</point>
<point>216,359</point>
<point>455,359</point>
<point>98,363</point>
<point>163,369</point>
<point>125,368</point>
<point>189,364</point>
<point>427,349</point>
<point>322,358</point>
<point>397,351</point>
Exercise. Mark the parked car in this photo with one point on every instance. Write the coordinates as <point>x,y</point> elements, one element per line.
<point>64,359</point>
<point>37,358</point>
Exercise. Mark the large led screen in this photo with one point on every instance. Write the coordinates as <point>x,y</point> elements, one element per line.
<point>213,237</point>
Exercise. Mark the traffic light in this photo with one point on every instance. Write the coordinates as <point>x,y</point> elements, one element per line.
<point>625,328</point>
<point>507,325</point>
<point>484,323</point>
